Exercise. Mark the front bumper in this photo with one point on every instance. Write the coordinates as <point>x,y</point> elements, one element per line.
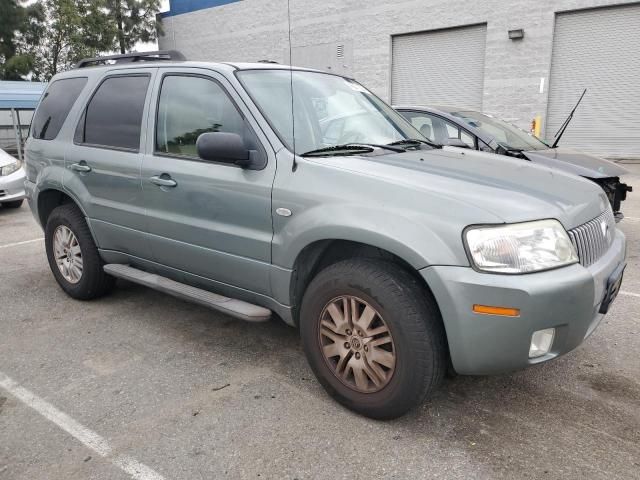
<point>12,186</point>
<point>567,299</point>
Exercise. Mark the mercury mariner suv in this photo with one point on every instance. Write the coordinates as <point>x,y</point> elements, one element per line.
<point>225,184</point>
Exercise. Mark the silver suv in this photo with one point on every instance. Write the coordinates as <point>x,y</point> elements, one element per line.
<point>260,189</point>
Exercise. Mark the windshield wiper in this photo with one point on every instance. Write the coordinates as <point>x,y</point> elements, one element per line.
<point>350,149</point>
<point>416,141</point>
<point>510,151</point>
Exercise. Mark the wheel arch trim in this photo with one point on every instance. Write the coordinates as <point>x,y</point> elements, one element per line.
<point>63,193</point>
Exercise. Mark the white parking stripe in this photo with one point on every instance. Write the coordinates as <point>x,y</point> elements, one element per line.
<point>633,219</point>
<point>21,243</point>
<point>631,294</point>
<point>137,470</point>
<point>88,438</point>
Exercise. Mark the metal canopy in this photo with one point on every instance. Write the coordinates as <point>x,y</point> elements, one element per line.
<point>20,95</point>
<point>16,96</point>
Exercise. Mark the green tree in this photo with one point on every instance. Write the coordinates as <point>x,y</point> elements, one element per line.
<point>49,36</point>
<point>73,29</point>
<point>135,21</point>
<point>20,26</point>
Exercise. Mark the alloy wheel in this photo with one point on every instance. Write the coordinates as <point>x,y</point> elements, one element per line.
<point>357,344</point>
<point>68,255</point>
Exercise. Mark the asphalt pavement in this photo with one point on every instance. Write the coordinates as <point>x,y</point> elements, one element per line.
<point>141,385</point>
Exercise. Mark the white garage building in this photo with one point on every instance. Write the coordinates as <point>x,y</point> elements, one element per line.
<point>453,52</point>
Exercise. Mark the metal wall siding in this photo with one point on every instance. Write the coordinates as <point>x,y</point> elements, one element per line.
<point>599,50</point>
<point>442,67</point>
<point>251,30</point>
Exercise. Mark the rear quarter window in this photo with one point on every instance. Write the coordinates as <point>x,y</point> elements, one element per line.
<point>55,106</point>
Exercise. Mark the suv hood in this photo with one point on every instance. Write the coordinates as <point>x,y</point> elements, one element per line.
<point>477,187</point>
<point>578,163</point>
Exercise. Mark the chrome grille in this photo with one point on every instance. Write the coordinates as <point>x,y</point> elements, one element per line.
<point>592,239</point>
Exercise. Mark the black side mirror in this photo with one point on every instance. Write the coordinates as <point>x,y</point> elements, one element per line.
<point>226,148</point>
<point>455,142</point>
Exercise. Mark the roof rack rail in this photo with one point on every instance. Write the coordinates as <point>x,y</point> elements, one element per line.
<point>132,57</point>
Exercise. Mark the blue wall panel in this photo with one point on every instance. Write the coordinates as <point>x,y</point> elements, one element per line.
<point>177,7</point>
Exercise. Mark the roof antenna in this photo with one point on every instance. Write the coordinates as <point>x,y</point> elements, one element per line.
<point>294,166</point>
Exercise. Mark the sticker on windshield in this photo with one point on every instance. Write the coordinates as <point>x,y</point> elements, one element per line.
<point>356,86</point>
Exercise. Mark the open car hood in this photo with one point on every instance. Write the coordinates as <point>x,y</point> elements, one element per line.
<point>578,163</point>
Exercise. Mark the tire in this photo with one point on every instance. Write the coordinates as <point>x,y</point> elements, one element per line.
<point>13,204</point>
<point>92,282</point>
<point>404,307</point>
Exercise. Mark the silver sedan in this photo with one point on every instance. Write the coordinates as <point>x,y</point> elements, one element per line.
<point>11,181</point>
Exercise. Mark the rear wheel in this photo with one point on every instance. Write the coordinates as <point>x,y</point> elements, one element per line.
<point>73,256</point>
<point>373,337</point>
<point>13,204</point>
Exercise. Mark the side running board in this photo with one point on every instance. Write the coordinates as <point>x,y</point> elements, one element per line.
<point>235,308</point>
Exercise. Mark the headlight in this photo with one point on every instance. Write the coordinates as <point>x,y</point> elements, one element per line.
<point>9,169</point>
<point>520,247</point>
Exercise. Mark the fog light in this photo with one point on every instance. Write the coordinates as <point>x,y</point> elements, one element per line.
<point>541,342</point>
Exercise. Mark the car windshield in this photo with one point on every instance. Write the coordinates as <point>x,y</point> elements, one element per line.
<point>505,134</point>
<point>329,110</point>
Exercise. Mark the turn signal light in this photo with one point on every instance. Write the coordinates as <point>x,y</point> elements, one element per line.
<point>491,310</point>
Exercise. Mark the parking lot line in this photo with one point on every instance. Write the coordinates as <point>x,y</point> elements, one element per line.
<point>88,438</point>
<point>22,243</point>
<point>631,294</point>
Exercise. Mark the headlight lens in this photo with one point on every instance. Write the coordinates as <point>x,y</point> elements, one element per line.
<point>521,247</point>
<point>9,169</point>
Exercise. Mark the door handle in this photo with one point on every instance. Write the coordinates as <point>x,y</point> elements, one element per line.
<point>163,180</point>
<point>80,167</point>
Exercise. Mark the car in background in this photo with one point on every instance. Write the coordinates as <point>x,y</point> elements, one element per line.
<point>11,181</point>
<point>479,131</point>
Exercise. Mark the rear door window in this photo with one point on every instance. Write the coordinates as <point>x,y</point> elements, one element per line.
<point>113,117</point>
<point>55,106</point>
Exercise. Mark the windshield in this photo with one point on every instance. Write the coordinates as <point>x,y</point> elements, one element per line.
<point>329,110</point>
<point>505,134</point>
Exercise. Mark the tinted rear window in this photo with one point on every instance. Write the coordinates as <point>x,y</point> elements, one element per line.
<point>54,107</point>
<point>114,115</point>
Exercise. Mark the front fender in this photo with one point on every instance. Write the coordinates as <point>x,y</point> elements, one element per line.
<point>391,230</point>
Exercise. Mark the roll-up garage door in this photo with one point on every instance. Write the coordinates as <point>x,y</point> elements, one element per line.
<point>598,50</point>
<point>440,67</point>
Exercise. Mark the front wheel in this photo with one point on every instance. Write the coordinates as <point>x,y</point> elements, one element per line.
<point>373,337</point>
